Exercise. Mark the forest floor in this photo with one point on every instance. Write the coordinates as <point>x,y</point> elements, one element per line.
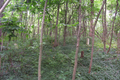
<point>21,63</point>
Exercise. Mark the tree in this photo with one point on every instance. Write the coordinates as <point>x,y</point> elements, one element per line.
<point>78,41</point>
<point>3,7</point>
<point>41,43</point>
<point>65,28</point>
<point>38,24</point>
<point>1,15</point>
<point>93,32</point>
<point>56,31</point>
<point>118,42</point>
<point>92,14</point>
<point>113,27</point>
<point>104,27</point>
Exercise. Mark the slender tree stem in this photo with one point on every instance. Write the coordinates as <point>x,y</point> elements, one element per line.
<point>41,37</point>
<point>93,31</point>
<point>3,7</point>
<point>77,45</point>
<point>113,27</point>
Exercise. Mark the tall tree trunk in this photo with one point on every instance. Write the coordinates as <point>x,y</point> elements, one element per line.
<point>104,28</point>
<point>92,14</point>
<point>41,37</point>
<point>38,25</point>
<point>34,28</point>
<point>1,15</point>
<point>73,28</point>
<point>88,39</point>
<point>31,24</point>
<point>93,32</point>
<point>50,29</point>
<point>56,43</point>
<point>77,45</point>
<point>26,23</point>
<point>84,20</point>
<point>2,7</point>
<point>91,21</point>
<point>65,28</point>
<point>84,27</point>
<point>118,42</point>
<point>113,27</point>
<point>20,19</point>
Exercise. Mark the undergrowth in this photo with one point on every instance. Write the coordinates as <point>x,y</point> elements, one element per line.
<point>21,63</point>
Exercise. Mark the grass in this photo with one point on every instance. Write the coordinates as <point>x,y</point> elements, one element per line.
<point>57,62</point>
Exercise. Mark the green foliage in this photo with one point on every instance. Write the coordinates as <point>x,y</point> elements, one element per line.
<point>57,63</point>
<point>96,68</point>
<point>20,59</point>
<point>10,25</point>
<point>48,40</point>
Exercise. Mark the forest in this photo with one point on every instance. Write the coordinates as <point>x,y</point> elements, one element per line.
<point>59,40</point>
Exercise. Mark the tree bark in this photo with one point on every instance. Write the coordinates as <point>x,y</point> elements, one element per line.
<point>104,28</point>
<point>118,42</point>
<point>31,23</point>
<point>93,32</point>
<point>50,29</point>
<point>77,45</point>
<point>84,27</point>
<point>26,24</point>
<point>113,27</point>
<point>38,24</point>
<point>1,15</point>
<point>3,6</point>
<point>91,22</point>
<point>41,37</point>
<point>34,29</point>
<point>65,28</point>
<point>56,33</point>
<point>20,19</point>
